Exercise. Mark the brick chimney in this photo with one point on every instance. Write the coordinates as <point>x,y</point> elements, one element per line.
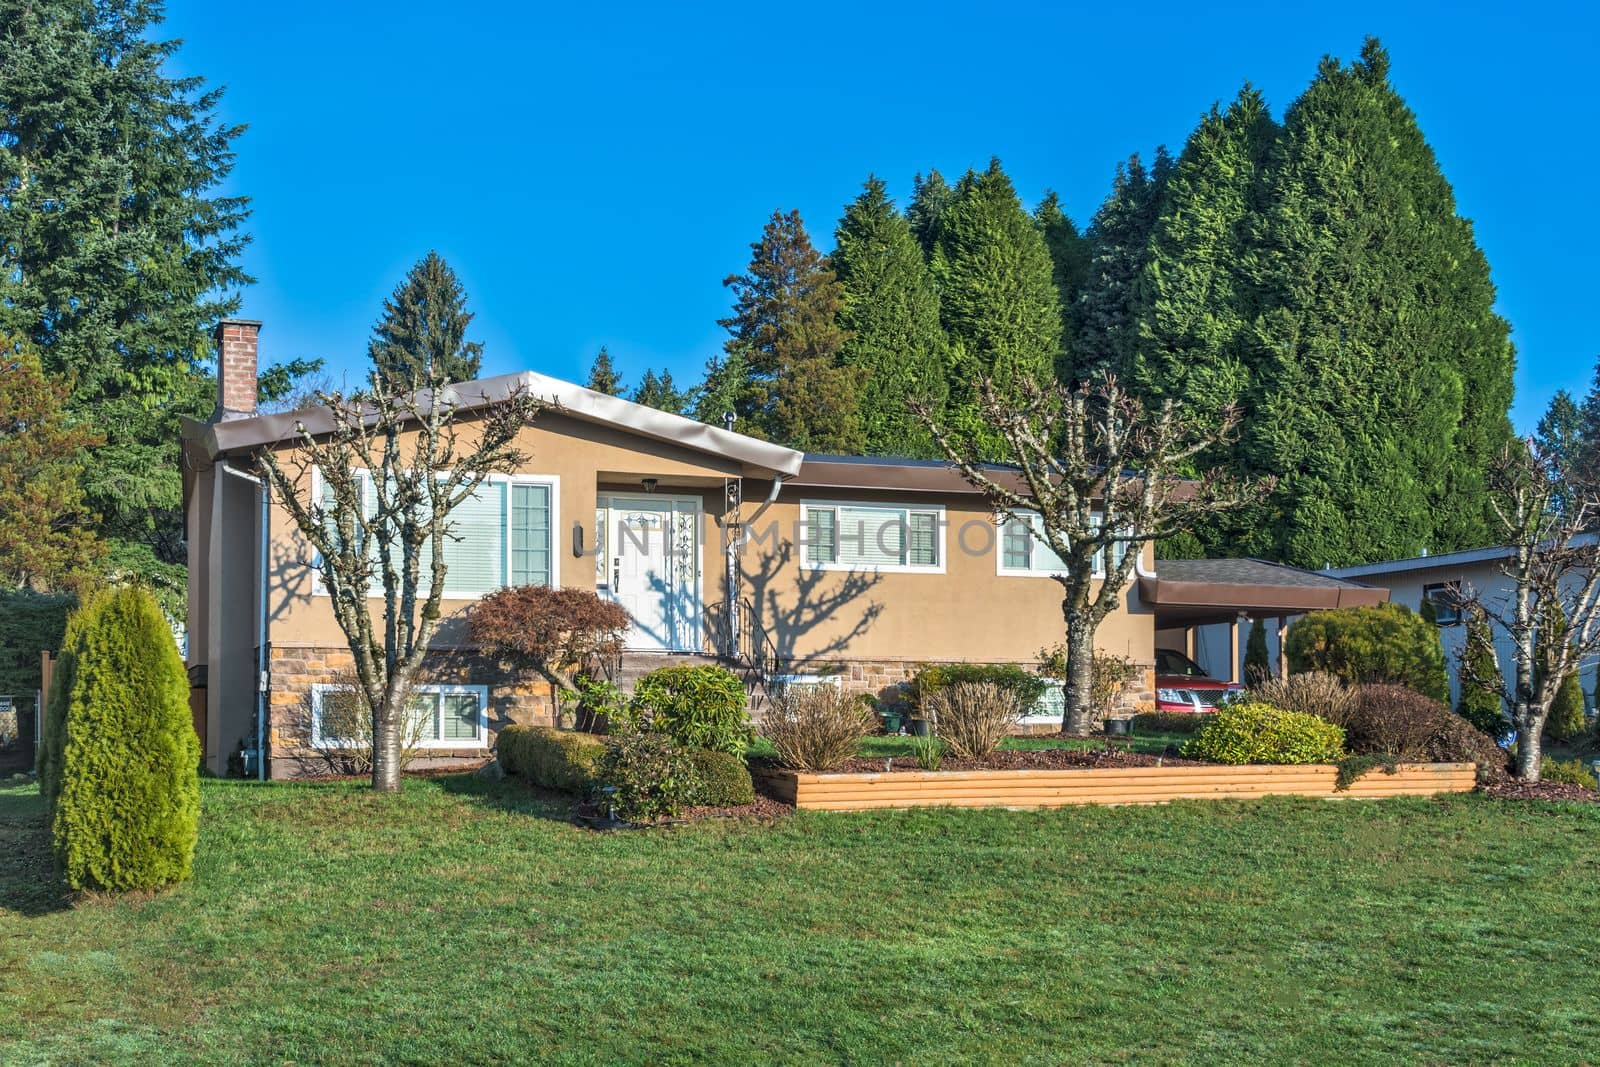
<point>236,368</point>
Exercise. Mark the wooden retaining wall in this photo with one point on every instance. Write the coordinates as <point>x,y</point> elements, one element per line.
<point>1123,785</point>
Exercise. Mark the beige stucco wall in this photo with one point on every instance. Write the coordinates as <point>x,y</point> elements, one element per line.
<point>586,458</point>
<point>968,613</point>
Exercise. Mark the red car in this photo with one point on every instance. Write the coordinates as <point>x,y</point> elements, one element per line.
<point>1183,685</point>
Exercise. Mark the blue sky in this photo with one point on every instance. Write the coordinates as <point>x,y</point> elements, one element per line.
<point>593,171</point>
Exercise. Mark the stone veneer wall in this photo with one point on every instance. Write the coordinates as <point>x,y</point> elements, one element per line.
<point>292,671</point>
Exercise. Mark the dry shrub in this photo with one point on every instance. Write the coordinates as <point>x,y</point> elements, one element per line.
<point>1396,721</point>
<point>816,727</point>
<point>1310,693</point>
<point>974,717</point>
<point>1393,720</point>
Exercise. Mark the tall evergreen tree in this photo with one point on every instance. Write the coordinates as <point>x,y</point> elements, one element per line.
<point>889,306</point>
<point>787,342</point>
<point>929,197</point>
<point>1069,255</point>
<point>1194,304</point>
<point>658,391</point>
<point>1560,430</point>
<point>423,330</point>
<point>1119,244</point>
<point>117,254</point>
<point>997,290</point>
<point>1377,324</point>
<point>603,377</point>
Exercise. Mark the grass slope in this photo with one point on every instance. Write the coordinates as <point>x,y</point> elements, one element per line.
<point>465,921</point>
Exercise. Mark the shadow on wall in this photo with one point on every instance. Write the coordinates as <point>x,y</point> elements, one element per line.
<point>805,616</point>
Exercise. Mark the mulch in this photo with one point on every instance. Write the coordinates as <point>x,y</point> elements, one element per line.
<point>1513,789</point>
<point>1047,759</point>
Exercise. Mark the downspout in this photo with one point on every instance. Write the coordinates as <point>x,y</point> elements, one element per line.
<point>261,620</point>
<point>733,563</point>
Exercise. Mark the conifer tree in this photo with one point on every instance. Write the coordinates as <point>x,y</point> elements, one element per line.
<point>1119,241</point>
<point>1479,671</point>
<point>889,306</point>
<point>1069,257</point>
<point>118,254</point>
<point>47,533</point>
<point>603,377</point>
<point>423,331</point>
<point>658,391</point>
<point>128,808</point>
<point>1194,303</point>
<point>1257,661</point>
<point>787,344</point>
<point>1560,430</point>
<point>929,198</point>
<point>997,292</point>
<point>1376,325</point>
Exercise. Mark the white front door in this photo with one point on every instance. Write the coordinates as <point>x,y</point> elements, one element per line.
<point>652,558</point>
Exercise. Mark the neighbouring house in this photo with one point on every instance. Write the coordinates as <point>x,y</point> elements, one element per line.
<point>791,568</point>
<point>1442,579</point>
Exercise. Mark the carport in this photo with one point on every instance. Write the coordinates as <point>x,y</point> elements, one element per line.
<point>1187,594</point>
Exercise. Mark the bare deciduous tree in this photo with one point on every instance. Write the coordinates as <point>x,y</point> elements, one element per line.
<point>391,465</point>
<point>1547,518</point>
<point>1103,476</point>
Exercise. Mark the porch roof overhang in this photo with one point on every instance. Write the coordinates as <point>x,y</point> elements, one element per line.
<point>1194,592</point>
<point>756,458</point>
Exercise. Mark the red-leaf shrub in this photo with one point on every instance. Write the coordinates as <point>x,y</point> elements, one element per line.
<point>552,631</point>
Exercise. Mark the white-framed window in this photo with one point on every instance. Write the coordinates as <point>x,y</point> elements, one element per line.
<point>1051,705</point>
<point>1447,601</point>
<point>438,716</point>
<point>1024,551</point>
<point>504,534</point>
<point>880,537</point>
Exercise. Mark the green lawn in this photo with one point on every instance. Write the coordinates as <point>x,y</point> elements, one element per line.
<point>466,922</point>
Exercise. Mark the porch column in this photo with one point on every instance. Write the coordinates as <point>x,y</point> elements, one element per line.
<point>1233,651</point>
<point>1283,652</point>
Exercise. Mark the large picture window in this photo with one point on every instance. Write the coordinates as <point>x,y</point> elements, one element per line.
<point>438,716</point>
<point>503,534</point>
<point>872,537</point>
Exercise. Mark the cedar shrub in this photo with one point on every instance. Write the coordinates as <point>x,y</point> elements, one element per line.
<point>128,811</point>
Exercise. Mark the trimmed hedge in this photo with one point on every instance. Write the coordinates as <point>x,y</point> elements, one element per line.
<point>1028,687</point>
<point>698,707</point>
<point>1252,732</point>
<point>1385,643</point>
<point>564,760</point>
<point>128,812</point>
<point>724,780</point>
<point>1169,722</point>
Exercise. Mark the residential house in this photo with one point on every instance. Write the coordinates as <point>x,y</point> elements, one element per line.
<point>852,571</point>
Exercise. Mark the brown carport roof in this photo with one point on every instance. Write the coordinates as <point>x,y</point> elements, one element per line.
<point>1190,592</point>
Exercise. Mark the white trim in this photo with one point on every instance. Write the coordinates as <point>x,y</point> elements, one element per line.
<point>551,480</point>
<point>1034,520</point>
<point>837,681</point>
<point>1419,563</point>
<point>321,689</point>
<point>940,523</point>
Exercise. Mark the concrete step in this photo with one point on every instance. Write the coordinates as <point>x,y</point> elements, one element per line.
<point>636,665</point>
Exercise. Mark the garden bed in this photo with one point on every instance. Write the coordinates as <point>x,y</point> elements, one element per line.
<point>1151,780</point>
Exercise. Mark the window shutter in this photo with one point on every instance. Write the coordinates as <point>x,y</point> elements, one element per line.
<point>821,541</point>
<point>872,537</point>
<point>530,535</point>
<point>475,550</point>
<point>459,716</point>
<point>924,539</point>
